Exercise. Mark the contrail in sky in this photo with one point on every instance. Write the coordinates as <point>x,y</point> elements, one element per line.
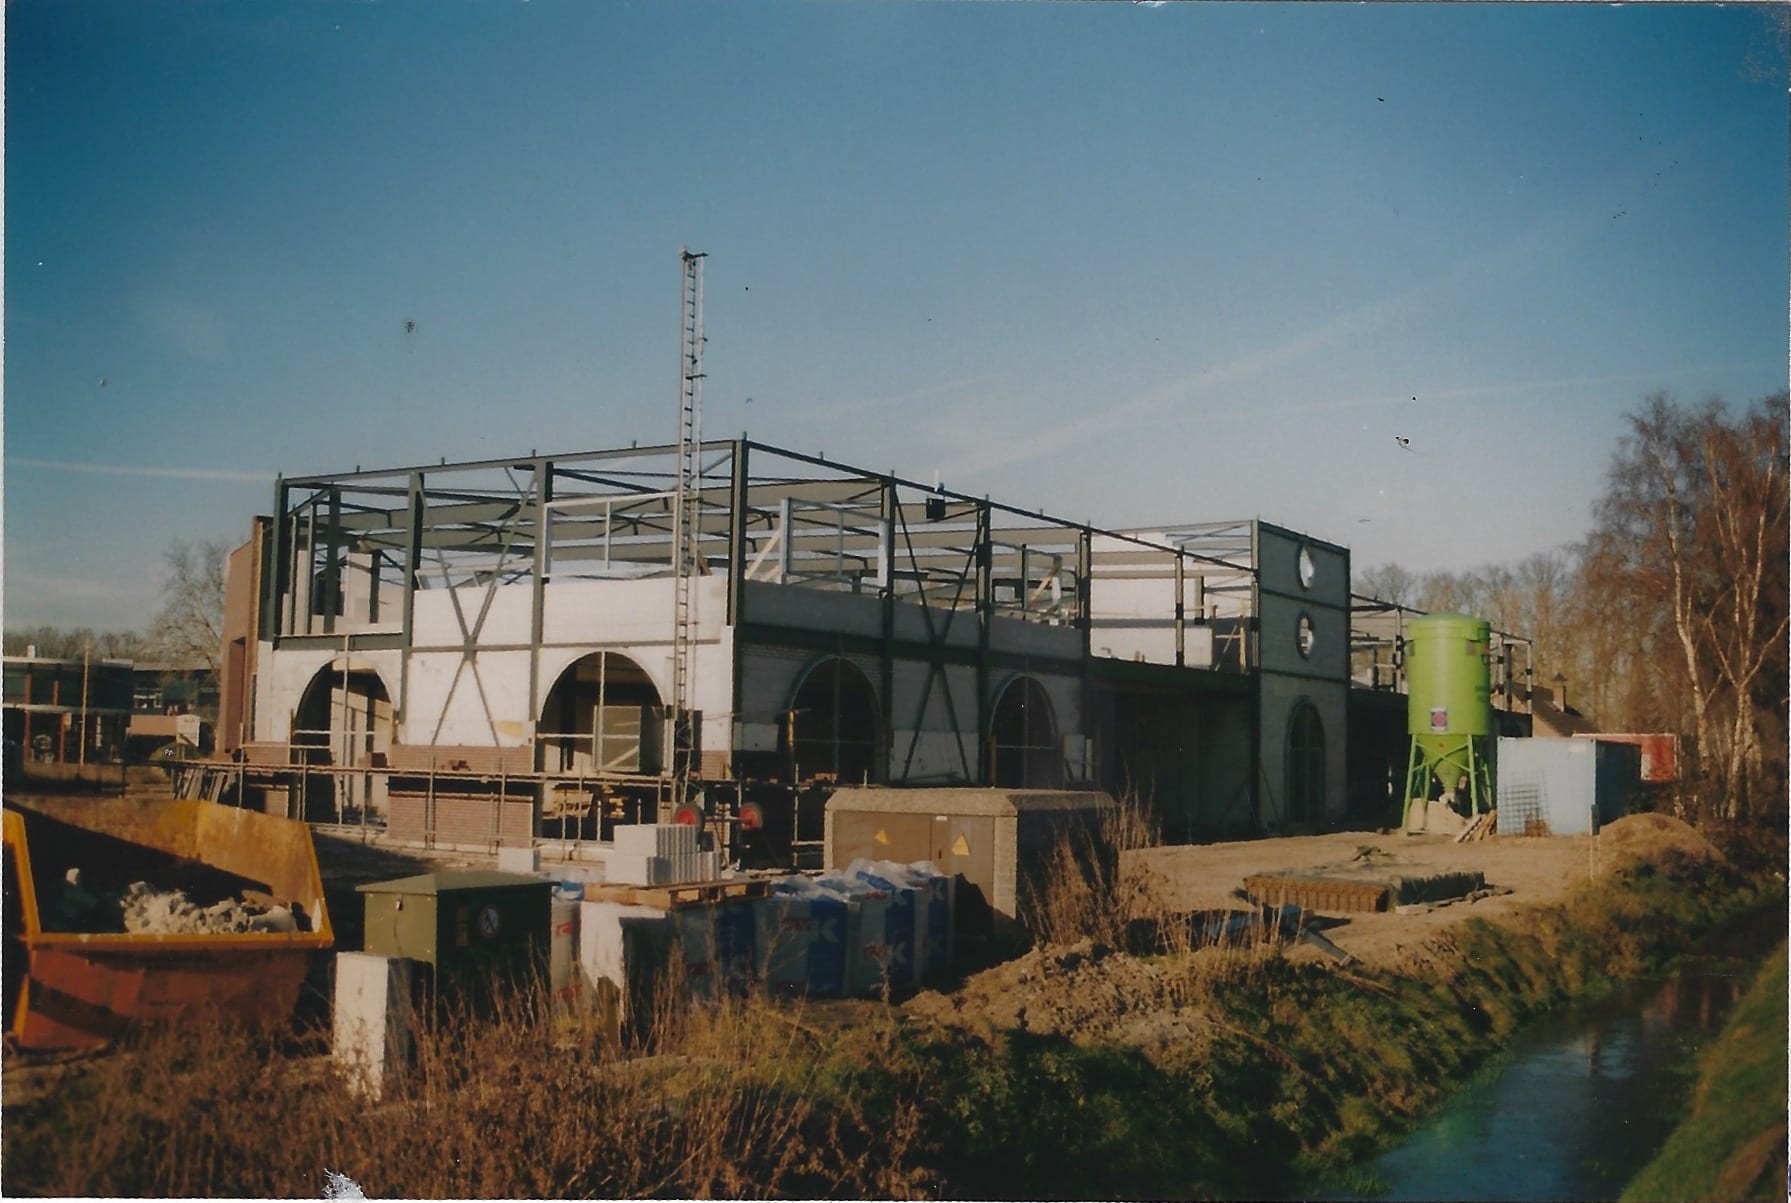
<point>1510,260</point>
<point>833,409</point>
<point>129,470</point>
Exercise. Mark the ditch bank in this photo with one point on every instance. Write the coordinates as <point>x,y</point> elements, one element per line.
<point>1246,1070</point>
<point>1730,1142</point>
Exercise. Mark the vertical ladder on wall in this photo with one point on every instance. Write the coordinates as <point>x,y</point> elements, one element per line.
<point>686,525</point>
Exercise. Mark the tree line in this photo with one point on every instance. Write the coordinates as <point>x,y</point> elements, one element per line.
<point>1671,614</point>
<point>186,631</point>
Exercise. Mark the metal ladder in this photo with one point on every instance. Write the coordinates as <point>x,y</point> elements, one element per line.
<point>686,524</point>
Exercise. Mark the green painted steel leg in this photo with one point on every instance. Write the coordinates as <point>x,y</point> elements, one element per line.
<point>1417,784</point>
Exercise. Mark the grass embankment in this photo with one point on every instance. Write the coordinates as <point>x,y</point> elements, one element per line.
<point>1731,1144</point>
<point>1280,1068</point>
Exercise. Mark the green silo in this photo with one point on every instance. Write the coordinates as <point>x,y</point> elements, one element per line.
<point>1449,707</point>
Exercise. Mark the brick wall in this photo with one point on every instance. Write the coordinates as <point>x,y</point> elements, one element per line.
<point>461,820</point>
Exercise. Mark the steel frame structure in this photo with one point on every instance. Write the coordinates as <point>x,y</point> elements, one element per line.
<point>757,514</point>
<point>346,557</point>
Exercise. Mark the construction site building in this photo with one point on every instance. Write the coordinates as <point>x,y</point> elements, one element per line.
<point>484,652</point>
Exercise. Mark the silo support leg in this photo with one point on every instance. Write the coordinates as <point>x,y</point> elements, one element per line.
<point>1417,789</point>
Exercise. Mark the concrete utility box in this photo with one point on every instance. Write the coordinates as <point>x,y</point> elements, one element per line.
<point>468,926</point>
<point>372,1020</point>
<point>995,841</point>
<point>1564,786</point>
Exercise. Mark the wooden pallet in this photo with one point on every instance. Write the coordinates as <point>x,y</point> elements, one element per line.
<point>694,893</point>
<point>1484,824</point>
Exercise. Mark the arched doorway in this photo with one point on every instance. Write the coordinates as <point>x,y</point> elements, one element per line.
<point>343,718</point>
<point>602,715</point>
<point>1023,730</point>
<point>832,729</point>
<point>1305,765</point>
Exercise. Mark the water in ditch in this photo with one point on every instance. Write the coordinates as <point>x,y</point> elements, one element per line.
<point>1579,1103</point>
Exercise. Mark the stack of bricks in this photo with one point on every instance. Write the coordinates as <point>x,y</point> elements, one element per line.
<point>659,854</point>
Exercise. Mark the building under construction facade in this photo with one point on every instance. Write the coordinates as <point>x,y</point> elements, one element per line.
<point>497,651</point>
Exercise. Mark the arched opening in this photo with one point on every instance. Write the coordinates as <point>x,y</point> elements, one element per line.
<point>1305,765</point>
<point>1023,730</point>
<point>602,715</point>
<point>343,719</point>
<point>832,729</point>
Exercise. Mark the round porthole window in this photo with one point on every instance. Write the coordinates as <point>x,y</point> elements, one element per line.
<point>1305,635</point>
<point>1307,568</point>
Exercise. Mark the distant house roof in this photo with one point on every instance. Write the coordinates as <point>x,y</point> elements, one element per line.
<point>1550,721</point>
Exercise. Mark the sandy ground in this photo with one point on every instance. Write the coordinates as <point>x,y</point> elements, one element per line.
<point>1534,870</point>
<point>1203,877</point>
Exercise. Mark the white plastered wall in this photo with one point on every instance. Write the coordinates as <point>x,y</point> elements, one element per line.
<point>484,699</point>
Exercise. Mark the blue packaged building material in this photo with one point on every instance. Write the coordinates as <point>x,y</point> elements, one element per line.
<point>889,935</point>
<point>717,945</point>
<point>871,927</point>
<point>803,933</point>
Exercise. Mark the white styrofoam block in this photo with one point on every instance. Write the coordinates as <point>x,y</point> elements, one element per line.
<point>611,948</point>
<point>637,870</point>
<point>655,839</point>
<point>371,1038</point>
<point>640,839</point>
<point>626,868</point>
<point>519,860</point>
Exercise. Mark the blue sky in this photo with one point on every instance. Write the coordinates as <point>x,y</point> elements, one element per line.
<point>1128,263</point>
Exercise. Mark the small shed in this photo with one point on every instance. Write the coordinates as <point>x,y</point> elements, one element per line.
<point>1564,786</point>
<point>1660,753</point>
<point>995,841</point>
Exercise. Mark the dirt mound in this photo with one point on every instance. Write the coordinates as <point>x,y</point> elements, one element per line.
<point>1084,991</point>
<point>1660,840</point>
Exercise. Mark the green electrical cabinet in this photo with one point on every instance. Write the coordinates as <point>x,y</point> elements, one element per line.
<point>472,928</point>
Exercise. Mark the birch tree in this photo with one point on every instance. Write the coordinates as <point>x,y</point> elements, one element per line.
<point>1688,553</point>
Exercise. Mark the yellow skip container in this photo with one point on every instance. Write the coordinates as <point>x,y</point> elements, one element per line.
<point>71,987</point>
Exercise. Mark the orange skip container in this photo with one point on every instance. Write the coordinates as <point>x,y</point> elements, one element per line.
<point>68,989</point>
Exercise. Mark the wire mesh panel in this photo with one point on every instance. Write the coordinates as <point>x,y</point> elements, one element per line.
<point>1523,806</point>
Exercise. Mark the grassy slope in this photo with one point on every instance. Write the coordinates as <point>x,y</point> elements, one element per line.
<point>1732,1143</point>
<point>1297,1067</point>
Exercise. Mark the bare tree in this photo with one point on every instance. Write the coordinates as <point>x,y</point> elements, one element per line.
<point>1448,592</point>
<point>1389,583</point>
<point>189,628</point>
<point>1688,558</point>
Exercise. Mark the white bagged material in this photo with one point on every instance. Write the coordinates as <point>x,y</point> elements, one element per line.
<point>934,895</point>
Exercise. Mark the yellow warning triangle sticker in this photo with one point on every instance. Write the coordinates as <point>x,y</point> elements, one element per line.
<point>960,847</point>
<point>882,836</point>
